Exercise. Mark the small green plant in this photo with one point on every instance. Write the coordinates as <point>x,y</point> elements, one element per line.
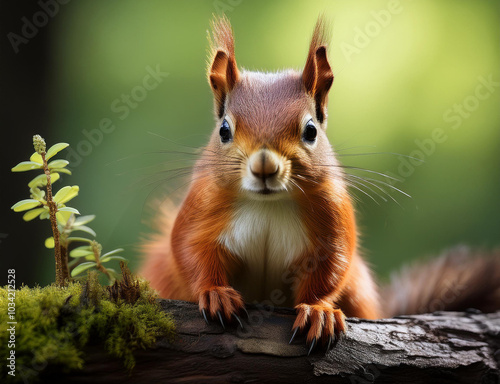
<point>45,205</point>
<point>56,325</point>
<point>85,256</point>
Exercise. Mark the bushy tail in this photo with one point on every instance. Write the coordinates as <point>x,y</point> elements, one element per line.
<point>457,280</point>
<point>158,265</point>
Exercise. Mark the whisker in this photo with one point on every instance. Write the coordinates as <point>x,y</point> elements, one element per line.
<point>340,149</point>
<point>389,186</point>
<point>305,179</point>
<point>365,170</point>
<point>362,191</point>
<point>206,149</point>
<point>178,172</point>
<point>188,167</point>
<point>177,144</point>
<point>380,153</point>
<point>364,182</point>
<point>353,195</point>
<point>201,152</point>
<point>361,182</point>
<point>162,181</point>
<point>152,166</point>
<point>378,187</point>
<point>148,181</point>
<point>293,182</point>
<point>187,173</point>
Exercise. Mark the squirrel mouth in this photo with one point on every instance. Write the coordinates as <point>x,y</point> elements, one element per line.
<point>266,191</point>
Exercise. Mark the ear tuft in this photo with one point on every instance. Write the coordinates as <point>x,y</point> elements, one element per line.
<point>223,73</point>
<point>317,77</point>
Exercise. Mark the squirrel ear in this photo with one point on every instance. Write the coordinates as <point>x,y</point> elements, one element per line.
<point>317,76</point>
<point>222,71</point>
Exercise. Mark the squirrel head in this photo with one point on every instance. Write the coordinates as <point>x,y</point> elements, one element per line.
<point>270,137</point>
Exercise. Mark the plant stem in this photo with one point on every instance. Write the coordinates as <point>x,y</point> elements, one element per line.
<point>96,249</point>
<point>64,263</point>
<point>62,271</point>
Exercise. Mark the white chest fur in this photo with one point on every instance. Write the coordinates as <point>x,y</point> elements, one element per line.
<point>267,236</point>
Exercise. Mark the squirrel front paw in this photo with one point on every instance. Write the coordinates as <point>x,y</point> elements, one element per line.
<point>223,303</point>
<point>325,322</point>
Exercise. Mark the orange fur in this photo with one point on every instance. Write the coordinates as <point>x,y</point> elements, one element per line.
<point>223,72</point>
<point>209,243</point>
<point>159,265</point>
<point>191,258</point>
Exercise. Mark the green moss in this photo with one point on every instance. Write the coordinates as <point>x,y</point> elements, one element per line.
<point>54,324</point>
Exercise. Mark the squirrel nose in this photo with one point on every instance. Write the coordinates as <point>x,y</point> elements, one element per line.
<point>264,164</point>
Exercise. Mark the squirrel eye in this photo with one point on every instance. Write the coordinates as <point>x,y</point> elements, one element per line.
<point>310,132</point>
<point>225,132</point>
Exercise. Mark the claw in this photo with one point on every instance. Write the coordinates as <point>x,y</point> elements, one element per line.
<point>330,339</point>
<point>220,318</point>
<point>204,315</point>
<point>313,343</point>
<point>294,334</point>
<point>238,319</point>
<point>245,310</point>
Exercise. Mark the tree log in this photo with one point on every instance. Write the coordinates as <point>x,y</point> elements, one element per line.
<point>443,347</point>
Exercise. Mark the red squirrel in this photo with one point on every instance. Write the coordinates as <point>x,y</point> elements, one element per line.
<point>268,210</point>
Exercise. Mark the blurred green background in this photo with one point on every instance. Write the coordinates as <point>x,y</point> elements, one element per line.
<point>409,76</point>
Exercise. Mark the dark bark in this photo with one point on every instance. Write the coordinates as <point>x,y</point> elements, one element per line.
<point>444,347</point>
